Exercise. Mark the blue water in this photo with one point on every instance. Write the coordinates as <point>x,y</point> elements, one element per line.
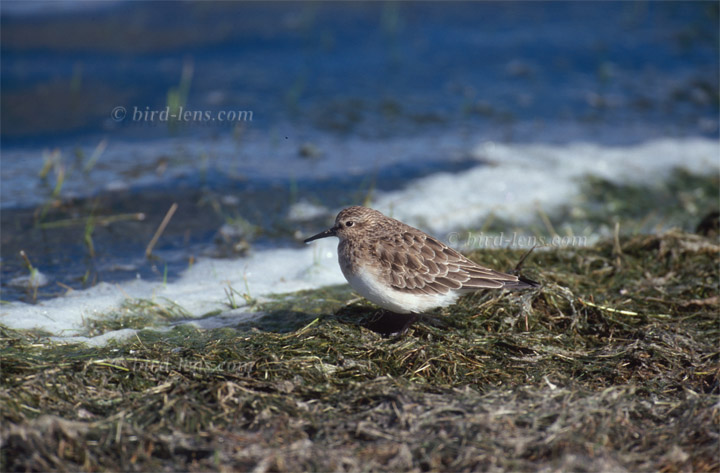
<point>385,92</point>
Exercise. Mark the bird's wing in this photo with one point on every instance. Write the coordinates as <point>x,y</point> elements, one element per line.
<point>418,263</point>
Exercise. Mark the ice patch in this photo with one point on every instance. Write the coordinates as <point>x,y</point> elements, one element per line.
<point>522,177</point>
<point>100,340</point>
<point>199,291</point>
<point>303,211</point>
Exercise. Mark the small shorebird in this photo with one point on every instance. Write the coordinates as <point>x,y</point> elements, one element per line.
<point>403,269</point>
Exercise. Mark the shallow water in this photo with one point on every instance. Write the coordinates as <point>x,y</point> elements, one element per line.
<point>349,102</point>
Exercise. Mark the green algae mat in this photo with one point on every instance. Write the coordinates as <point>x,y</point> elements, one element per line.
<point>612,365</point>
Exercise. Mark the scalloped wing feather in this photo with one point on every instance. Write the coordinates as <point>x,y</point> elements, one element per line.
<point>414,262</point>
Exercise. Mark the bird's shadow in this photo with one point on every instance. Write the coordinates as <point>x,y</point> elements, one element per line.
<point>279,321</point>
<point>383,322</point>
<point>380,321</point>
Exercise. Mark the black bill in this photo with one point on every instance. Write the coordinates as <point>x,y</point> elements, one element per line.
<point>327,233</point>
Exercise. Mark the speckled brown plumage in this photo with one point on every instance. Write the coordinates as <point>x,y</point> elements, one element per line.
<point>410,260</point>
<point>400,267</point>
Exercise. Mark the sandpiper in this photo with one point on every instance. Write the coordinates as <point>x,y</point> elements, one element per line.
<point>403,269</point>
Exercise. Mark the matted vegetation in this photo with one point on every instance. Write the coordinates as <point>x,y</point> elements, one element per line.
<point>613,365</point>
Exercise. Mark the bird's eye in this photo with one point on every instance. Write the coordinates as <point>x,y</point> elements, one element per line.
<point>349,223</point>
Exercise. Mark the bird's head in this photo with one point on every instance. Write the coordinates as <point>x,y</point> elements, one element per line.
<point>350,221</point>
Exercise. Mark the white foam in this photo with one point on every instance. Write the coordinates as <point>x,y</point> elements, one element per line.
<point>99,340</point>
<point>521,177</point>
<point>199,291</point>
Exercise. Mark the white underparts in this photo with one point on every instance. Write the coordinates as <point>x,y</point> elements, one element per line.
<point>370,287</point>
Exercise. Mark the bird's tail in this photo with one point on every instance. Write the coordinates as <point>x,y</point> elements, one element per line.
<point>521,283</point>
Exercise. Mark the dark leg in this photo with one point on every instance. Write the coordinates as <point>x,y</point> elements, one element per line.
<point>389,323</point>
